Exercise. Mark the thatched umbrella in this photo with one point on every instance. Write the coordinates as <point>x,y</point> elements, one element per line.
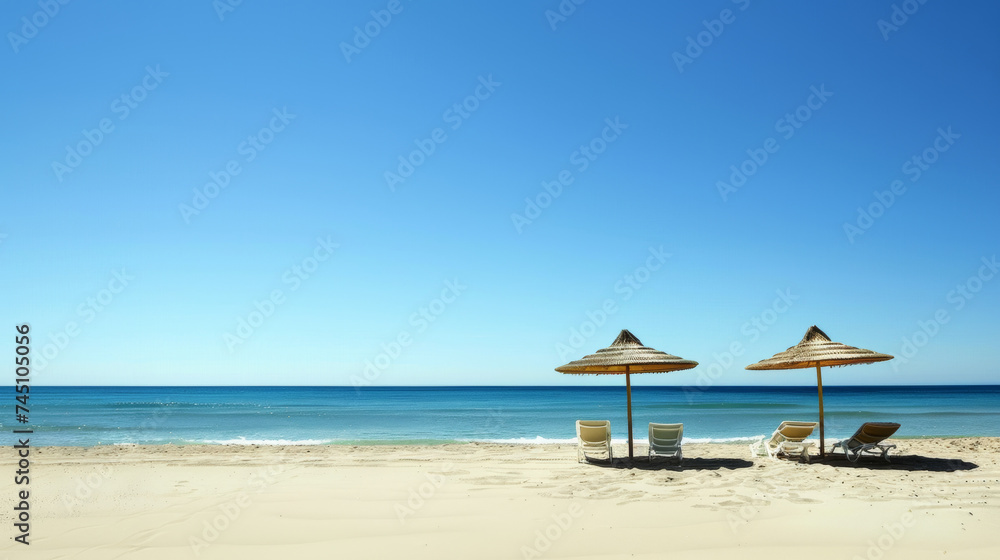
<point>816,349</point>
<point>627,355</point>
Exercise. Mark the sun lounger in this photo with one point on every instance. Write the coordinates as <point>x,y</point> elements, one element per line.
<point>665,440</point>
<point>868,439</point>
<point>593,436</point>
<point>788,441</point>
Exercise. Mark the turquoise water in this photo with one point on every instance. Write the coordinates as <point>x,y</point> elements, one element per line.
<point>344,415</point>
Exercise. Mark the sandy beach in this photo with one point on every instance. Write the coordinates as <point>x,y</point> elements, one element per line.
<point>939,498</point>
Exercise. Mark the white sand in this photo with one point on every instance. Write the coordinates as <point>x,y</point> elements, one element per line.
<point>938,499</point>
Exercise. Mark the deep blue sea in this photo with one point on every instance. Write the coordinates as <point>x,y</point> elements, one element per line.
<point>344,415</point>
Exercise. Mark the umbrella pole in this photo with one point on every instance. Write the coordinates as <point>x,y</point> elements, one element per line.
<point>628,391</point>
<point>819,384</point>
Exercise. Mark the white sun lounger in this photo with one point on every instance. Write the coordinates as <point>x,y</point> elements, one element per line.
<point>788,441</point>
<point>593,436</point>
<point>665,440</point>
<point>868,439</point>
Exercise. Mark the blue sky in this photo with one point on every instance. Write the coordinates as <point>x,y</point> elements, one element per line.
<point>354,192</point>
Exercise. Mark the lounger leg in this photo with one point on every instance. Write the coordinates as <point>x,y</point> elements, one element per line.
<point>857,454</point>
<point>885,451</point>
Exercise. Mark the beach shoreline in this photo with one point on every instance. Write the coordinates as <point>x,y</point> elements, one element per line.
<point>488,500</point>
<point>434,415</point>
<point>513,442</point>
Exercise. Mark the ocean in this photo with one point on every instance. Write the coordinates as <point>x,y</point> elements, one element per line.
<point>84,416</point>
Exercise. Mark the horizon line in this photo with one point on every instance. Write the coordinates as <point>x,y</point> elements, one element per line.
<point>533,386</point>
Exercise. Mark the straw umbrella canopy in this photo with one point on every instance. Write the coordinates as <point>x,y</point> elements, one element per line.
<point>817,350</point>
<point>627,355</point>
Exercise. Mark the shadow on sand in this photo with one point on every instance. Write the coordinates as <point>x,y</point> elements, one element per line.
<point>686,464</point>
<point>899,463</point>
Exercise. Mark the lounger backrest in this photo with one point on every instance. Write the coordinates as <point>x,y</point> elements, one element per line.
<point>874,432</point>
<point>593,431</point>
<point>793,431</point>
<point>665,435</point>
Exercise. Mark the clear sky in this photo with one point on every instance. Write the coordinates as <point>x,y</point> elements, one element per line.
<point>475,193</point>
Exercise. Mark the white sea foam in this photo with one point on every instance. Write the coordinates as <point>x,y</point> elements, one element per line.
<point>539,440</point>
<point>723,440</point>
<point>245,441</point>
